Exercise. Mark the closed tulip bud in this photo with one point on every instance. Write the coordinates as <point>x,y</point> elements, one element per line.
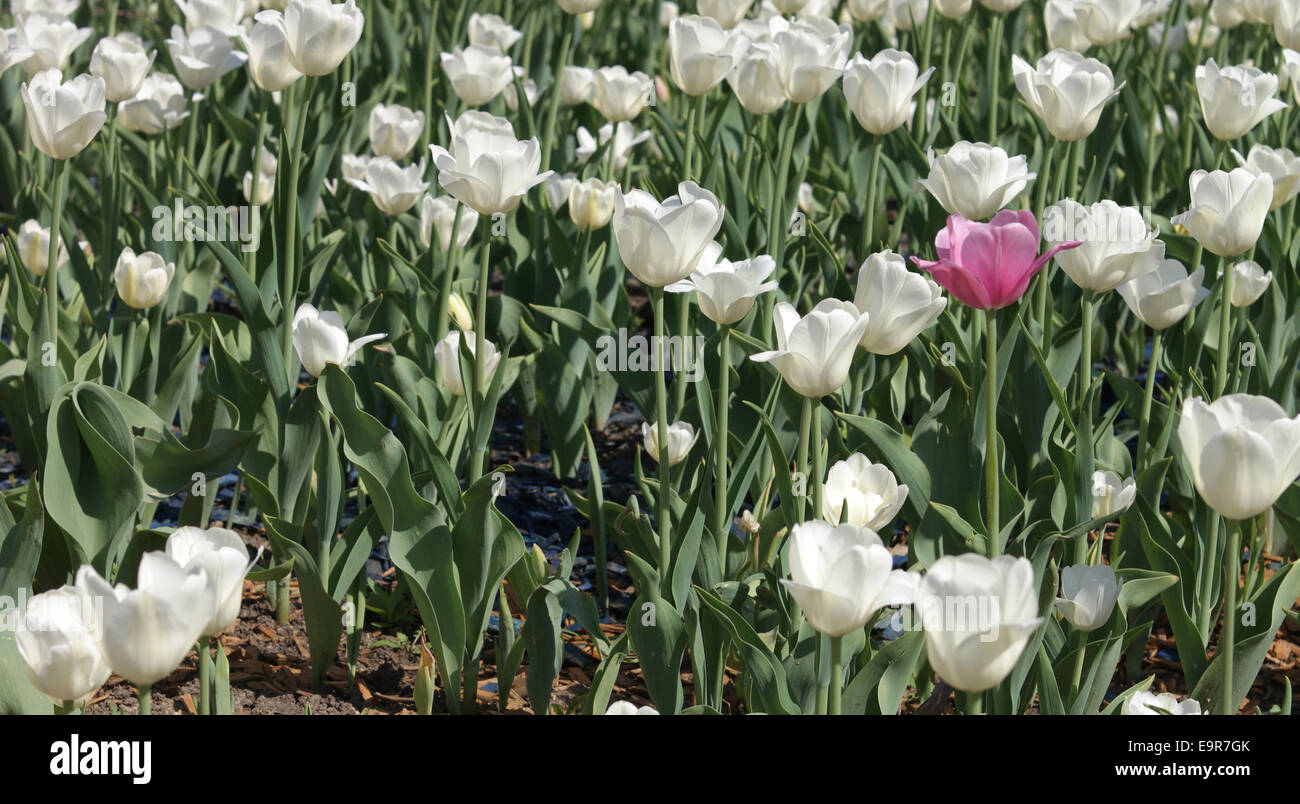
<point>952,9</point>
<point>147,631</point>
<point>880,91</point>
<point>1105,22</point>
<point>224,558</point>
<point>978,615</point>
<point>975,180</point>
<point>491,30</point>
<point>578,6</point>
<point>681,437</point>
<point>159,106</point>
<point>627,707</point>
<point>123,63</point>
<point>1205,35</point>
<point>1113,242</point>
<point>726,290</point>
<point>142,280</point>
<point>393,188</point>
<point>1249,281</point>
<point>1088,595</point>
<point>1164,295</point>
<point>906,14</point>
<point>203,56</point>
<point>224,15</point>
<point>1111,494</point>
<point>1066,90</point>
<point>620,95</point>
<point>1286,24</point>
<point>867,10</point>
<point>811,54</point>
<point>900,303</point>
<point>1235,98</point>
<point>477,73</point>
<point>668,11</point>
<point>577,85</point>
<point>62,118</point>
<point>1228,209</point>
<point>33,243</point>
<point>1281,164</point>
<point>265,186</point>
<point>440,214</point>
<point>320,34</point>
<point>728,13</point>
<point>1227,14</point>
<point>1064,30</point>
<point>859,492</point>
<point>459,312</point>
<point>269,64</point>
<point>1260,12</point>
<point>814,353</point>
<point>447,355</point>
<point>701,53</point>
<point>625,138</point>
<point>662,242</point>
<point>512,96</point>
<point>425,686</point>
<point>394,130</point>
<point>320,339</point>
<point>49,38</point>
<point>1244,452</point>
<point>756,79</point>
<point>487,169</point>
<point>58,642</point>
<point>1165,703</point>
<point>591,203</point>
<point>988,265</point>
<point>841,575</point>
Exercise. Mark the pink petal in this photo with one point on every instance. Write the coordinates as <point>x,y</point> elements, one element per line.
<point>958,281</point>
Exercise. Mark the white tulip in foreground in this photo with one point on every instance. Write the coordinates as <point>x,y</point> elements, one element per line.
<point>814,353</point>
<point>477,73</point>
<point>662,242</point>
<point>58,642</point>
<point>159,106</point>
<point>62,118</point>
<point>439,213</point>
<point>629,708</point>
<point>701,53</point>
<point>681,437</point>
<point>393,188</point>
<point>841,575</point>
<point>859,492</point>
<point>1281,164</point>
<point>1228,209</point>
<point>1249,281</point>
<point>975,180</point>
<point>147,631</point>
<point>1235,98</point>
<point>142,279</point>
<point>880,90</point>
<point>899,302</point>
<point>1162,296</point>
<point>447,355</point>
<point>123,63</point>
<point>1111,494</point>
<point>1115,242</point>
<point>620,95</point>
<point>1244,452</point>
<point>591,203</point>
<point>33,244</point>
<point>1066,90</point>
<point>320,338</point>
<point>222,555</point>
<point>1165,703</point>
<point>979,614</point>
<point>487,169</point>
<point>1088,595</point>
<point>726,290</point>
<point>268,54</point>
<point>320,34</point>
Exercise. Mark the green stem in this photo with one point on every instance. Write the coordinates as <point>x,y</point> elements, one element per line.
<point>974,703</point>
<point>1227,638</point>
<point>290,242</point>
<point>994,65</point>
<point>1225,326</point>
<point>801,457</point>
<point>554,107</point>
<point>991,500</point>
<point>129,361</point>
<point>834,705</point>
<point>477,457</point>
<point>52,263</point>
<point>722,509</point>
<point>779,223</point>
<point>144,694</point>
<point>661,420</point>
<point>1145,423</point>
<point>155,315</point>
<point>818,468</point>
<point>204,652</point>
<point>689,158</point>
<point>869,209</point>
<point>1080,655</point>
<point>442,324</point>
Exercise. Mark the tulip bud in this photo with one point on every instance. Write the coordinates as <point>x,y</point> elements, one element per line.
<point>814,353</point>
<point>1244,452</point>
<point>123,63</point>
<point>1088,595</point>
<point>880,91</point>
<point>1166,703</point>
<point>62,118</point>
<point>320,34</point>
<point>620,95</point>
<point>425,682</point>
<point>142,280</point>
<point>1249,281</point>
<point>899,303</point>
<point>681,437</point>
<point>33,243</point>
<point>320,339</point>
<point>58,642</point>
<point>577,85</point>
<point>591,203</point>
<point>459,312</point>
<point>447,355</point>
<point>1111,494</point>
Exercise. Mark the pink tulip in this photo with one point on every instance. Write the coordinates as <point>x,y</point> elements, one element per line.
<point>988,265</point>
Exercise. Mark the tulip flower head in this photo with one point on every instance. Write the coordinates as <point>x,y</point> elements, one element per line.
<point>1249,281</point>
<point>1165,703</point>
<point>900,303</point>
<point>320,34</point>
<point>629,708</point>
<point>1114,242</point>
<point>988,265</point>
<point>393,188</point>
<point>447,355</point>
<point>862,493</point>
<point>47,38</point>
<point>62,118</point>
<point>880,90</point>
<point>477,73</point>
<point>224,558</point>
<point>662,242</point>
<point>1282,166</point>
<point>591,203</point>
<point>487,169</point>
<point>439,213</point>
<point>814,352</point>
<point>58,642</point>
<point>1228,209</point>
<point>1111,494</point>
<point>123,63</point>
<point>701,53</point>
<point>620,95</point>
<point>394,130</point>
<point>142,280</point>
<point>1088,595</point>
<point>1234,99</point>
<point>1066,90</point>
<point>320,339</point>
<point>726,290</point>
<point>975,180</point>
<point>1162,296</point>
<point>159,106</point>
<point>681,438</point>
<point>33,243</point>
<point>491,30</point>
<point>203,56</point>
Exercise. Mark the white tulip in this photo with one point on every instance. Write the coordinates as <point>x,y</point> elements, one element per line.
<point>1260,12</point>
<point>577,85</point>
<point>591,203</point>
<point>1175,39</point>
<point>1066,90</point>
<point>867,10</point>
<point>62,118</point>
<point>1064,30</point>
<point>447,355</point>
<point>904,14</point>
<point>681,437</point>
<point>11,53</point>
<point>619,95</point>
<point>268,55</point>
<point>841,575</point>
<point>224,15</point>
<point>440,213</point>
<point>1244,452</point>
<point>491,30</point>
<point>1088,595</point>
<point>668,11</point>
<point>1235,98</point>
<point>814,353</point>
<point>859,492</point>
<point>1227,14</point>
<point>159,106</point>
<point>756,79</point>
<point>1105,22</point>
<point>1228,209</point>
<point>1162,296</point>
<point>880,91</point>
<point>1281,164</point>
<point>477,73</point>
<point>1114,242</point>
<point>394,130</point>
<point>33,243</point>
<point>979,615</point>
<point>50,38</point>
<point>223,556</point>
<point>1286,23</point>
<point>203,56</point>
<point>320,338</point>
<point>320,34</point>
<point>58,641</point>
<point>142,280</point>
<point>899,302</point>
<point>625,138</point>
<point>728,13</point>
<point>557,190</point>
<point>1111,494</point>
<point>1166,703</point>
<point>662,242</point>
<point>811,54</point>
<point>952,9</point>
<point>1195,32</point>
<point>487,169</point>
<point>1151,12</point>
<point>531,92</point>
<point>147,631</point>
<point>626,707</point>
<point>976,180</point>
<point>1249,281</point>
<point>701,53</point>
<point>57,8</point>
<point>265,186</point>
<point>726,290</point>
<point>123,63</point>
<point>393,188</point>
